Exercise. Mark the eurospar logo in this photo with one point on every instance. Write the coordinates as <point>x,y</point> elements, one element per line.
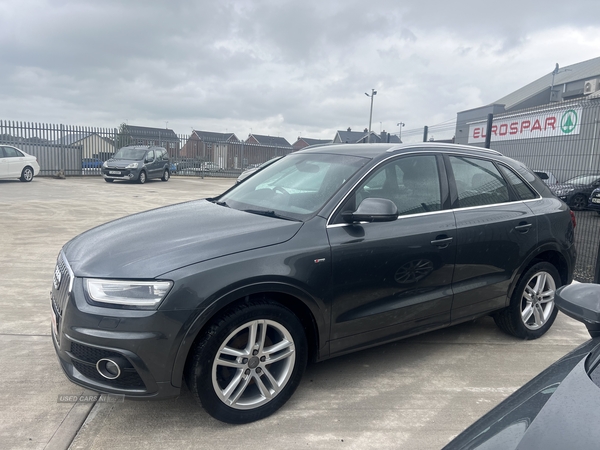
<point>554,123</point>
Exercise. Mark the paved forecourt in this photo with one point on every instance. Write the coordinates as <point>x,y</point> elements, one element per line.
<point>417,393</point>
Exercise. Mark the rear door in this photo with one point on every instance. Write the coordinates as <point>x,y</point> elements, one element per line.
<point>393,278</point>
<point>3,164</point>
<point>496,231</point>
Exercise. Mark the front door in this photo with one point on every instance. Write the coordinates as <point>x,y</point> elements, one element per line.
<point>393,278</point>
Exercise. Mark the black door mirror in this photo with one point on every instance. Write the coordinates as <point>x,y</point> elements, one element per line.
<point>373,210</point>
<point>582,303</point>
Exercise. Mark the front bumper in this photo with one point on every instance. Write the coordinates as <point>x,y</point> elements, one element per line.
<point>120,174</point>
<point>143,343</point>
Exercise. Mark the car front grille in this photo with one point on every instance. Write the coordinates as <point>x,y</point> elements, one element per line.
<point>62,282</point>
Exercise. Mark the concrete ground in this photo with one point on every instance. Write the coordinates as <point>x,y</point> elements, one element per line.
<point>417,393</point>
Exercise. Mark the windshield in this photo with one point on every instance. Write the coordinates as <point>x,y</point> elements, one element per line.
<point>583,179</point>
<point>130,153</point>
<point>294,187</point>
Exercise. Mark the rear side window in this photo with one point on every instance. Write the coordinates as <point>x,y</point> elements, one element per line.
<point>523,191</point>
<point>478,182</point>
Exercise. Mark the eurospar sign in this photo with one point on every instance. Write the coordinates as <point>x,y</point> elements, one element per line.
<point>563,122</point>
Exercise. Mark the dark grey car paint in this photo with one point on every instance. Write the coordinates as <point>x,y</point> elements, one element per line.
<point>216,255</point>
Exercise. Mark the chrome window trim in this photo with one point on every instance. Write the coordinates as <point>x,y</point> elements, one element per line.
<point>337,225</point>
<point>434,152</point>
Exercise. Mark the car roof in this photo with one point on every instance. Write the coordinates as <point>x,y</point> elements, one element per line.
<point>375,150</point>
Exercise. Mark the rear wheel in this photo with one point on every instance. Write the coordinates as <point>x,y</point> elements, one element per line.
<point>27,174</point>
<point>142,177</point>
<point>531,311</point>
<point>166,175</point>
<point>249,362</point>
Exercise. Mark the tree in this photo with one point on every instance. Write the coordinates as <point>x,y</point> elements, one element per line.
<point>123,136</point>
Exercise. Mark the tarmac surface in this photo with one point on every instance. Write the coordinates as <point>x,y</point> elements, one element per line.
<point>417,393</point>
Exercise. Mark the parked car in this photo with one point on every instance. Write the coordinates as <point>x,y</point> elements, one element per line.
<point>576,191</point>
<point>137,163</point>
<point>546,176</point>
<point>253,168</point>
<point>594,201</point>
<point>91,163</point>
<point>15,163</point>
<point>210,166</point>
<point>558,409</point>
<point>330,250</point>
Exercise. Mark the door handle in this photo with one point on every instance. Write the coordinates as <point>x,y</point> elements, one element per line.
<point>443,242</point>
<point>523,228</point>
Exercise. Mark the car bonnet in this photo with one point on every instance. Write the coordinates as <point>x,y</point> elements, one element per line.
<point>148,244</point>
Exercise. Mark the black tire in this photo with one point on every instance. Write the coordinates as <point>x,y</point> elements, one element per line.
<point>26,174</point>
<point>166,175</point>
<point>142,177</point>
<point>578,202</point>
<point>253,396</point>
<point>109,180</point>
<point>542,310</point>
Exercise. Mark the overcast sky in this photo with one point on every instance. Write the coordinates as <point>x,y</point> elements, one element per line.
<point>279,67</point>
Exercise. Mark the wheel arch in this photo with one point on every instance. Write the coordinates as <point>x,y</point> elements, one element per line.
<point>293,298</point>
<point>547,253</point>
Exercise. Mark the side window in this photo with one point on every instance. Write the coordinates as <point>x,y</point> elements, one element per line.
<point>412,183</point>
<point>478,182</point>
<point>522,190</point>
<point>1,152</point>
<point>150,155</point>
<point>10,152</point>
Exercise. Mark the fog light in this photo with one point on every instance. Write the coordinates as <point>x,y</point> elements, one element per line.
<point>108,368</point>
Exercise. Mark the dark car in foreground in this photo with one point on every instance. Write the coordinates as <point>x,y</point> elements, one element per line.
<point>326,251</point>
<point>559,408</point>
<point>576,191</point>
<point>137,163</point>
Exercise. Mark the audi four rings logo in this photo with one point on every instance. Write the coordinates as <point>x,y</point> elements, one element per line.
<point>57,277</point>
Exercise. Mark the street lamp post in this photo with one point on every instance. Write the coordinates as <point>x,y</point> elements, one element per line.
<point>400,125</point>
<point>373,94</point>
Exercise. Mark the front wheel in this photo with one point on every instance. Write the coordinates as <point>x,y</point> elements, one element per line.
<point>142,177</point>
<point>27,174</point>
<point>578,202</point>
<point>531,311</point>
<point>249,362</point>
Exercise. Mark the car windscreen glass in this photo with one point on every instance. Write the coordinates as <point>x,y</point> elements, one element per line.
<point>296,187</point>
<point>130,153</point>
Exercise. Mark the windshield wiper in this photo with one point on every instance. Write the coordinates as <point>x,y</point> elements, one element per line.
<point>269,213</point>
<point>213,200</point>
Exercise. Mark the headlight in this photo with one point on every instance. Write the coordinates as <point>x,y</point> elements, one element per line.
<point>141,294</point>
<point>132,166</point>
<point>104,164</point>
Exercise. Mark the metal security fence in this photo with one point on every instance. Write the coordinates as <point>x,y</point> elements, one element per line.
<point>70,150</point>
<point>561,141</point>
<point>75,150</point>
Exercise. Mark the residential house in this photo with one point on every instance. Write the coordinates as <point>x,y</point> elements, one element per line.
<point>220,148</point>
<point>361,137</point>
<point>92,144</point>
<point>259,148</point>
<point>162,137</point>
<point>305,142</point>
